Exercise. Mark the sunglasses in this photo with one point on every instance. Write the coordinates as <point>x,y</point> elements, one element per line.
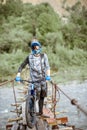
<point>35,47</point>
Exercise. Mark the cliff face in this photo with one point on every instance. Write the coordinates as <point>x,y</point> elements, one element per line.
<point>57,4</point>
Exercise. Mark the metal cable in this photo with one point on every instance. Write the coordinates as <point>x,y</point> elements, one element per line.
<point>57,88</point>
<point>73,101</point>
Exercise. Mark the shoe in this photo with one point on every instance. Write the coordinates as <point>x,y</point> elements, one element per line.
<point>39,114</point>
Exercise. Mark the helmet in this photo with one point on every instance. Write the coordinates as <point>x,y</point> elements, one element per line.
<point>35,43</point>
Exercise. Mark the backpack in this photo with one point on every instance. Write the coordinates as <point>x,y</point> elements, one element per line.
<point>42,59</point>
<point>42,62</point>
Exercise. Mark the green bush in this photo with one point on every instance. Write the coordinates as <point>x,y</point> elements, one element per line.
<point>64,43</point>
<point>14,37</point>
<point>10,63</point>
<point>17,31</point>
<point>40,19</point>
<point>51,39</point>
<point>75,31</point>
<point>12,7</point>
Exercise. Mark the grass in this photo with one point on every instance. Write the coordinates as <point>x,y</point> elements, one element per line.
<point>70,73</point>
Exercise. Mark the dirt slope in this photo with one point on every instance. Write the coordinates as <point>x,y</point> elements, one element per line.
<point>57,4</point>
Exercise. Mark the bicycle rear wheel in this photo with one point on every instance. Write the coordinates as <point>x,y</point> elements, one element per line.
<point>30,112</point>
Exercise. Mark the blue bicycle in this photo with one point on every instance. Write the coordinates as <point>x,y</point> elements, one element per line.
<point>30,108</point>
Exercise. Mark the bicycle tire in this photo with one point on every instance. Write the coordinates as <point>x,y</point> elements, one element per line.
<point>30,117</point>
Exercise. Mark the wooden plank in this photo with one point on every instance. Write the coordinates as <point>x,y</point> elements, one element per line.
<point>15,119</point>
<point>48,112</point>
<point>62,120</point>
<point>16,104</point>
<point>67,128</point>
<point>51,120</point>
<point>16,111</point>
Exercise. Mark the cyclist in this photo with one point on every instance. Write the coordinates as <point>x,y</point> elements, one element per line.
<point>39,69</point>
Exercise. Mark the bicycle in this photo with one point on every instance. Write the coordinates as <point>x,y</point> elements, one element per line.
<point>30,107</point>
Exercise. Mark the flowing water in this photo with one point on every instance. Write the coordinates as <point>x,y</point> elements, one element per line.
<point>73,89</point>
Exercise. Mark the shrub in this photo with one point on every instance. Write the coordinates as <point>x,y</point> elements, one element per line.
<point>75,31</point>
<point>10,62</point>
<point>11,7</point>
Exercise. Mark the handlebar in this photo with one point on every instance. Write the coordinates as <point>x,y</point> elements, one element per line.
<point>30,81</point>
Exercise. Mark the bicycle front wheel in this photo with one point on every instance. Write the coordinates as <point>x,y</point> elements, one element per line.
<point>30,112</point>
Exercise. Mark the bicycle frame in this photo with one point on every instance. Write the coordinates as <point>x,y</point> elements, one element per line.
<point>30,108</point>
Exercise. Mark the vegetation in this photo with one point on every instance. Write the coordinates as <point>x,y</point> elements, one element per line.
<point>65,43</point>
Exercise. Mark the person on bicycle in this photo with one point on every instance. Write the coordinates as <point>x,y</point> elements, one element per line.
<point>39,70</point>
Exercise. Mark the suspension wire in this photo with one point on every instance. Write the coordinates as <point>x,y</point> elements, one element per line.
<point>58,88</point>
<point>73,101</point>
<point>63,92</point>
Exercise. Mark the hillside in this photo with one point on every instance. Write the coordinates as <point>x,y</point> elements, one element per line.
<point>57,4</point>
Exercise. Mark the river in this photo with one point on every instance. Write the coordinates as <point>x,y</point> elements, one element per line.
<point>76,90</point>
